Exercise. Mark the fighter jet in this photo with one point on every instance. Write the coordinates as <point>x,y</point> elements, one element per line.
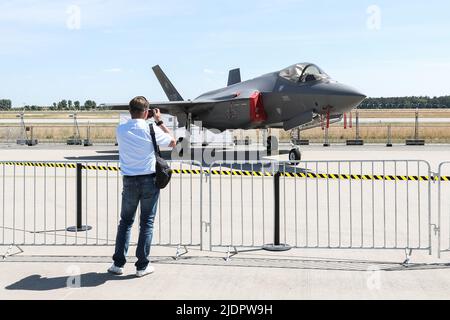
<point>301,95</point>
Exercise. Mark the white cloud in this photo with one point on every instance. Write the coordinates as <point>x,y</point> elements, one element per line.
<point>113,70</point>
<point>213,72</point>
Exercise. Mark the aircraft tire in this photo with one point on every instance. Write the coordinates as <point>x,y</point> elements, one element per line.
<point>179,147</point>
<point>272,144</point>
<point>295,156</point>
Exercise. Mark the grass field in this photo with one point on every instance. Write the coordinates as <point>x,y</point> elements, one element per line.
<point>404,113</point>
<point>379,134</point>
<point>375,133</point>
<point>60,133</point>
<point>62,115</point>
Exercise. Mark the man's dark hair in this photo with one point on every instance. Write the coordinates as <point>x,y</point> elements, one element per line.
<point>139,105</point>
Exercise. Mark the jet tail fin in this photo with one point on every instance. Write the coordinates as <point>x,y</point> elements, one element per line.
<point>234,77</point>
<point>171,93</point>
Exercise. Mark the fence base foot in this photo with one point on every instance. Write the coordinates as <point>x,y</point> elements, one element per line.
<point>356,142</point>
<point>9,254</point>
<point>408,253</point>
<point>79,229</point>
<point>415,142</point>
<point>277,247</point>
<point>231,254</point>
<point>179,253</point>
<point>74,142</point>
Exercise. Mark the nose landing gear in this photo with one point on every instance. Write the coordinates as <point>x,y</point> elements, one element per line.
<point>295,156</point>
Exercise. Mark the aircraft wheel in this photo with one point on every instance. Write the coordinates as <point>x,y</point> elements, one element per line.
<point>295,156</point>
<point>272,144</point>
<point>179,146</point>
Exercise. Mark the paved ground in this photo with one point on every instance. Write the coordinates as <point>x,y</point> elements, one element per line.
<point>45,272</point>
<point>51,273</point>
<point>431,153</point>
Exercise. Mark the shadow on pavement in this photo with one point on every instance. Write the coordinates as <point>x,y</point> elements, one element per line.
<point>108,151</point>
<point>304,263</point>
<point>308,264</point>
<point>39,283</point>
<point>94,158</point>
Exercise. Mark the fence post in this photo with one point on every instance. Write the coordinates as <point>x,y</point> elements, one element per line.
<point>79,203</point>
<point>276,245</point>
<point>389,139</point>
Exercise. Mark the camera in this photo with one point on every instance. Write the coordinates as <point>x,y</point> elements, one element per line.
<point>151,113</point>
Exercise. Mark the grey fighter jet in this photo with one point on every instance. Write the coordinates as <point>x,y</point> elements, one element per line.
<point>301,95</point>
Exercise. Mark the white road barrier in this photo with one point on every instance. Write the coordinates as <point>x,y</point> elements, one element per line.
<point>377,205</point>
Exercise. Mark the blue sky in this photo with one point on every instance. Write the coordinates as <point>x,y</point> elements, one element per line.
<point>382,47</point>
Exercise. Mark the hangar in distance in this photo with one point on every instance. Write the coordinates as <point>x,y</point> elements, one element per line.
<point>299,95</point>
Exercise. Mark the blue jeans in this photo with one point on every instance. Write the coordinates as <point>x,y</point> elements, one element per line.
<point>136,189</point>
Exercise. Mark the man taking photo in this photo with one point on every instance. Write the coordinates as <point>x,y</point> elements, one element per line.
<point>137,163</point>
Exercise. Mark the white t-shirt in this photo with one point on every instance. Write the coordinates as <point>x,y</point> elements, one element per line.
<point>136,152</point>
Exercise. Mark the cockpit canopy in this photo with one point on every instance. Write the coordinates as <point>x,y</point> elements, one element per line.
<point>303,72</point>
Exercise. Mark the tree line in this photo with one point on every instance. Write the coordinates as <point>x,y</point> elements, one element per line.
<point>406,103</point>
<point>73,105</point>
<point>63,105</point>
<point>5,104</point>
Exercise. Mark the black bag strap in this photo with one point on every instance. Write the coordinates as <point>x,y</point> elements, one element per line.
<point>155,146</point>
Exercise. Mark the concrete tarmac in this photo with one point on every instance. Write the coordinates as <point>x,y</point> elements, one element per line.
<point>434,154</point>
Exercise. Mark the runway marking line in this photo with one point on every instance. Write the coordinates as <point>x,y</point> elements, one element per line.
<point>319,176</point>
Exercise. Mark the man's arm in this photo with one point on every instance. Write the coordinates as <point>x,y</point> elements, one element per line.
<point>157,116</point>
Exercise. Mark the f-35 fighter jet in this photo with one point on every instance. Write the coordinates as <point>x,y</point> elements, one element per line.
<point>301,95</point>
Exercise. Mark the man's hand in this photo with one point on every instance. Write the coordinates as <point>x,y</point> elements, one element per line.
<point>173,144</point>
<point>157,114</point>
<point>157,117</point>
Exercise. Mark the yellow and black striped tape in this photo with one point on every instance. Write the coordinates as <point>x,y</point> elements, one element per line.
<point>41,164</point>
<point>359,177</point>
<point>100,168</point>
<point>244,173</point>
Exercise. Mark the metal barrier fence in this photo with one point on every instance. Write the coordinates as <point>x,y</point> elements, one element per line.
<point>443,225</point>
<point>370,133</point>
<point>57,133</point>
<point>322,204</point>
<point>42,202</point>
<point>385,204</point>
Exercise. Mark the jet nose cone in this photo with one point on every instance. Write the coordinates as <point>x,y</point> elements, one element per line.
<point>342,89</point>
<point>356,93</point>
<point>346,97</point>
<point>355,97</point>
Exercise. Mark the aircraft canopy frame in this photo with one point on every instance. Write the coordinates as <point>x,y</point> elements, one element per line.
<point>303,72</point>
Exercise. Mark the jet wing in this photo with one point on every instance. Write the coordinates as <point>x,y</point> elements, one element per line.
<point>179,109</point>
<point>170,107</point>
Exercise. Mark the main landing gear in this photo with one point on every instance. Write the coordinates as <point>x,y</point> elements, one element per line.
<point>295,156</point>
<point>271,144</point>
